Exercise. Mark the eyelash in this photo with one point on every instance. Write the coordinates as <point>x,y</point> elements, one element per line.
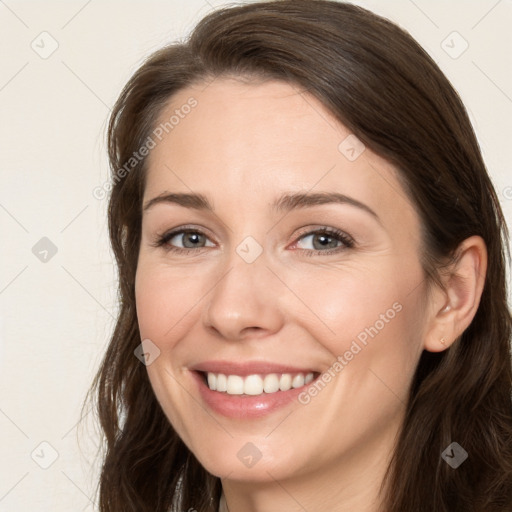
<point>346,240</point>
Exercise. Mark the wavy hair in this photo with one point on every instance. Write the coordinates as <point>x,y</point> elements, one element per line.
<point>379,82</point>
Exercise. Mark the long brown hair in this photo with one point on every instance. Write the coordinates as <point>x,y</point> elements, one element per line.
<point>377,81</point>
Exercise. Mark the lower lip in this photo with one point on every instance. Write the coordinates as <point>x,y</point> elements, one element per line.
<point>246,406</point>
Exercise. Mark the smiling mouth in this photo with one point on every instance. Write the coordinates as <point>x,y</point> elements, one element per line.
<point>256,384</point>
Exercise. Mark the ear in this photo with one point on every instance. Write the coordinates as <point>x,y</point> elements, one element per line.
<point>453,308</point>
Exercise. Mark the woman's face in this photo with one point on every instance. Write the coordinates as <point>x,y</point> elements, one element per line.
<point>308,262</point>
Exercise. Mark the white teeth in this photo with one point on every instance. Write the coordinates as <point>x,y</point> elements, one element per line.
<point>257,384</point>
<point>298,381</point>
<point>212,381</point>
<point>235,385</point>
<point>271,383</point>
<point>285,383</point>
<point>222,383</point>
<point>253,385</point>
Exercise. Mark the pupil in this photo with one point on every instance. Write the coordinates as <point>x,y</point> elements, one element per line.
<point>324,241</point>
<point>193,237</point>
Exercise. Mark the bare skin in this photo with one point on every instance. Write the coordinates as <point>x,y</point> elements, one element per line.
<point>298,303</point>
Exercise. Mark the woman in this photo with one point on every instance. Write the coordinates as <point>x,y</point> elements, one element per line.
<point>312,277</point>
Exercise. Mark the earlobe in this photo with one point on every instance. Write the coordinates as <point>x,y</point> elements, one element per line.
<point>455,306</point>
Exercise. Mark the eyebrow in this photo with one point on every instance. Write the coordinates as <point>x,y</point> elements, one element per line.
<point>284,203</point>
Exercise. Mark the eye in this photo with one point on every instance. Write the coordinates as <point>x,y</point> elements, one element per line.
<point>325,240</point>
<point>183,240</point>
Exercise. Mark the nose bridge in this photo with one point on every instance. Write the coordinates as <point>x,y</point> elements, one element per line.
<point>243,299</point>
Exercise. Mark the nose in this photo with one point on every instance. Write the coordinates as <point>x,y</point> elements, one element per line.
<point>243,302</point>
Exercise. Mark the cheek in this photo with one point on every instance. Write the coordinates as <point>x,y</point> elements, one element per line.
<point>374,350</point>
<point>341,303</point>
<point>371,316</point>
<point>167,301</point>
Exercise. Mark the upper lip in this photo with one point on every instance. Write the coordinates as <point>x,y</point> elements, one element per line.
<point>248,368</point>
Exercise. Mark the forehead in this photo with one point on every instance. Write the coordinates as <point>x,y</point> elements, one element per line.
<point>250,141</point>
<point>268,118</point>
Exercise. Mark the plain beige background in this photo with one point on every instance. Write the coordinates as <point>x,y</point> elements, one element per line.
<point>63,63</point>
